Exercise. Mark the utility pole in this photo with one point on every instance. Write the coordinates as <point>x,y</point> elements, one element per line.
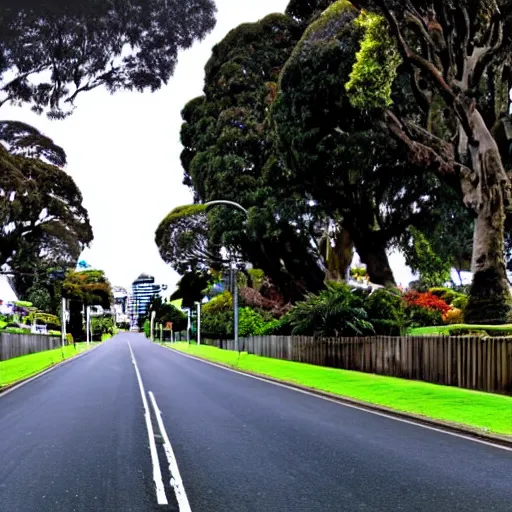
<point>63,322</point>
<point>87,323</point>
<point>198,323</point>
<point>234,292</point>
<point>151,325</point>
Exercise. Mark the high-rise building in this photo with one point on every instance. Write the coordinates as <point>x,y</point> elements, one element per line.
<point>143,291</point>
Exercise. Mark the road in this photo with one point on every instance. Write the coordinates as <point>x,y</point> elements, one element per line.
<point>76,439</point>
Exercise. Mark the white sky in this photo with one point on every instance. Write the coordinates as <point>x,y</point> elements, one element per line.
<point>123,152</point>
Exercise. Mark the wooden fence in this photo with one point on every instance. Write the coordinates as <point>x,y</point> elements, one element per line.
<point>478,363</point>
<point>15,345</point>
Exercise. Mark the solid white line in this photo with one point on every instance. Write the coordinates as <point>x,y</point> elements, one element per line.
<point>176,481</point>
<point>352,406</point>
<point>157,472</point>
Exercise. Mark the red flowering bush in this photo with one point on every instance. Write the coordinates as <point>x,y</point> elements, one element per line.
<point>426,300</point>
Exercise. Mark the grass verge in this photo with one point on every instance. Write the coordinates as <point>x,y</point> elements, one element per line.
<point>445,329</point>
<point>484,411</point>
<point>19,368</point>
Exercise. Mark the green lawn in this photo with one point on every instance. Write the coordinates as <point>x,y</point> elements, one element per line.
<point>445,329</point>
<point>22,367</point>
<point>485,411</point>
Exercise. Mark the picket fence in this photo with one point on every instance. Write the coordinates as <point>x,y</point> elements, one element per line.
<point>479,363</point>
<point>15,345</point>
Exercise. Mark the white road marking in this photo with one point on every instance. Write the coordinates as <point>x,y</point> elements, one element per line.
<point>176,481</point>
<point>352,406</point>
<point>157,472</point>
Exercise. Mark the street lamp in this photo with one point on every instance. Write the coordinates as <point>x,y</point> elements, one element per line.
<point>234,273</point>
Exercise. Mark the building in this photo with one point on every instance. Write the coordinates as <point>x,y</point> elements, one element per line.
<point>144,290</point>
<point>121,304</point>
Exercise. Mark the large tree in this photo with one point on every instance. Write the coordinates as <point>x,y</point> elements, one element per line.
<point>458,57</point>
<point>52,50</point>
<point>86,288</point>
<point>229,150</point>
<point>338,155</point>
<point>41,212</point>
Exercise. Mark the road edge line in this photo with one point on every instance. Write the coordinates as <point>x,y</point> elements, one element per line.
<point>451,429</point>
<point>161,497</point>
<point>9,388</point>
<point>176,480</point>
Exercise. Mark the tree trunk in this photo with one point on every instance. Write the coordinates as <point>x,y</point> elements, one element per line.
<point>339,257</point>
<point>490,301</point>
<point>373,255</point>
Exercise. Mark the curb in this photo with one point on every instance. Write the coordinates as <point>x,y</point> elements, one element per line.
<point>445,426</point>
<point>18,384</point>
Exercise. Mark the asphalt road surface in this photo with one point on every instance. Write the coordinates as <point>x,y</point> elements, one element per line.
<point>78,439</point>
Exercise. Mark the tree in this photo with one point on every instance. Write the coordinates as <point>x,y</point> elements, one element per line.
<point>228,151</point>
<point>183,239</point>
<point>53,50</point>
<point>191,288</point>
<point>337,154</point>
<point>86,288</point>
<point>41,212</point>
<point>165,312</point>
<point>457,55</point>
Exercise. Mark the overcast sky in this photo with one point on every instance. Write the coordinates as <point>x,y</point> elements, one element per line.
<point>123,152</point>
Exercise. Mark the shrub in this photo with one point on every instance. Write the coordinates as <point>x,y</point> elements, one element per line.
<point>334,312</point>
<point>418,316</point>
<point>217,325</point>
<point>250,322</point>
<point>460,302</point>
<point>16,330</point>
<point>386,312</point>
<point>69,338</point>
<point>221,303</point>
<point>426,300</point>
<point>453,316</point>
<point>451,297</point>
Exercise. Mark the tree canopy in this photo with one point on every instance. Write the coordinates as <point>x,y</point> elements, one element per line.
<point>41,211</point>
<point>53,50</point>
<point>457,56</point>
<point>228,150</point>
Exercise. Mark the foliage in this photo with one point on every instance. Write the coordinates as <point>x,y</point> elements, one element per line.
<point>375,69</point>
<point>182,239</point>
<point>219,304</point>
<point>339,156</point>
<point>418,316</point>
<point>386,312</point>
<point>333,312</point>
<point>42,219</point>
<point>102,325</point>
<point>54,50</point>
<point>434,270</point>
<point>89,287</point>
<point>250,322</point>
<point>166,312</point>
<point>228,153</point>
<point>257,278</point>
<point>43,318</point>
<point>462,98</point>
<point>426,300</point>
<point>16,330</point>
<point>453,316</point>
<point>450,296</point>
<point>192,287</point>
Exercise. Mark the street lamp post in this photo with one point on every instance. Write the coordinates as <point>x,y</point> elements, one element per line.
<point>198,304</point>
<point>233,272</point>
